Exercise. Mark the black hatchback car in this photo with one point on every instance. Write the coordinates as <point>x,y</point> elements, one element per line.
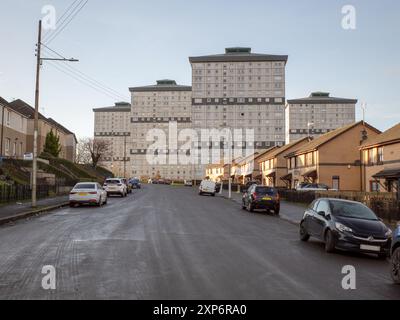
<point>346,225</point>
<point>261,197</point>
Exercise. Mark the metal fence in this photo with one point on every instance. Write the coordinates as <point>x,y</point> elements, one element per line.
<point>12,193</point>
<point>385,205</point>
<point>298,196</point>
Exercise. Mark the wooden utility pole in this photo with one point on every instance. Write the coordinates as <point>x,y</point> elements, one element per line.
<point>36,121</point>
<point>39,60</point>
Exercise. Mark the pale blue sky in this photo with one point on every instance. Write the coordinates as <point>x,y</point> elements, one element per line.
<point>125,43</point>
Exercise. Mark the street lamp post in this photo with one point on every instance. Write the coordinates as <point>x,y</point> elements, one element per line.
<point>125,156</point>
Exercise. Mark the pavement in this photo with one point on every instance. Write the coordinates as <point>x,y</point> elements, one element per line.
<point>17,209</point>
<point>169,243</point>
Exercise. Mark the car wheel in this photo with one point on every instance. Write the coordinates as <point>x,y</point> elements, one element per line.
<point>200,193</point>
<point>329,242</point>
<point>106,201</point>
<point>122,194</point>
<point>243,205</point>
<point>250,207</point>
<point>277,209</point>
<point>395,269</point>
<point>72,205</point>
<point>213,194</point>
<point>304,236</point>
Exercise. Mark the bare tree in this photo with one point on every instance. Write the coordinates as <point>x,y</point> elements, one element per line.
<point>83,155</point>
<point>93,150</point>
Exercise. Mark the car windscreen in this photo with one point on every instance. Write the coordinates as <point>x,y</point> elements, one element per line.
<point>89,186</point>
<point>351,210</point>
<point>266,190</point>
<point>113,181</point>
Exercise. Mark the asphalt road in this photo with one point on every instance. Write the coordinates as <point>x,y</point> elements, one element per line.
<point>167,242</point>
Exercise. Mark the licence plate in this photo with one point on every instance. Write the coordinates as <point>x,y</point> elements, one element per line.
<point>267,198</point>
<point>370,248</point>
<point>82,194</point>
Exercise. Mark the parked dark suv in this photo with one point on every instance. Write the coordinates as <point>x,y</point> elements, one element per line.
<point>346,225</point>
<point>261,197</point>
<point>395,270</point>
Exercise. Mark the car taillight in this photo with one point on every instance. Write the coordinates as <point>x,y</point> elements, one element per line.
<point>72,193</point>
<point>254,195</point>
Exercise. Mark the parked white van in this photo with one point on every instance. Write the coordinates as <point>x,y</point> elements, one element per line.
<point>207,187</point>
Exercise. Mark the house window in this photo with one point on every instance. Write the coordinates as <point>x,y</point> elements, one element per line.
<point>380,155</point>
<point>7,146</point>
<point>310,159</point>
<point>374,186</point>
<point>336,182</point>
<point>293,163</point>
<point>371,156</point>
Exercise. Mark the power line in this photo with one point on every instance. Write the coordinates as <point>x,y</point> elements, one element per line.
<point>74,14</point>
<point>61,18</point>
<point>53,36</point>
<point>74,76</point>
<point>53,51</point>
<point>93,81</point>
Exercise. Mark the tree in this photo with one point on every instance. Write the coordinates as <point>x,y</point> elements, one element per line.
<point>52,144</point>
<point>83,155</point>
<point>96,149</point>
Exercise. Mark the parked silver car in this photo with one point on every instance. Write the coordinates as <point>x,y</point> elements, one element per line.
<point>115,186</point>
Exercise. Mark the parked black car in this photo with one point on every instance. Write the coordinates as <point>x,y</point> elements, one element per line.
<point>261,197</point>
<point>135,183</point>
<point>395,261</point>
<point>346,225</point>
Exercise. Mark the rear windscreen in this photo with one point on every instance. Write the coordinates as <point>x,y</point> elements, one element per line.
<point>85,186</point>
<point>113,181</point>
<point>265,190</point>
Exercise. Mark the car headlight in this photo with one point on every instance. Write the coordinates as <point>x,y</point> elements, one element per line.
<point>342,227</point>
<point>388,233</point>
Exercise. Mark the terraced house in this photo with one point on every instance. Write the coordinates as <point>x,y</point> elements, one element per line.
<point>333,159</point>
<point>272,164</point>
<point>381,162</point>
<point>68,139</point>
<point>13,131</point>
